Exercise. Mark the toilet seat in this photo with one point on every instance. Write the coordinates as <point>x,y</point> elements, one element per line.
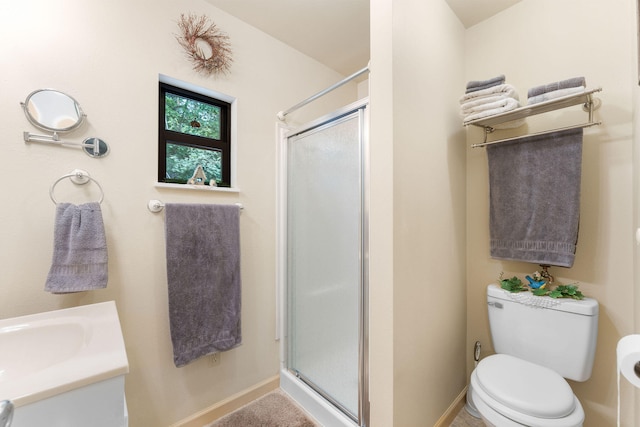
<point>525,393</point>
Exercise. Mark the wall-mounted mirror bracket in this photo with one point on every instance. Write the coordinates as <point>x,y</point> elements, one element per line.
<point>93,147</point>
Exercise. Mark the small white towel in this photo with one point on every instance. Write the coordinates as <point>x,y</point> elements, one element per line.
<point>555,94</point>
<point>470,106</point>
<point>510,104</point>
<point>504,89</point>
<point>484,106</point>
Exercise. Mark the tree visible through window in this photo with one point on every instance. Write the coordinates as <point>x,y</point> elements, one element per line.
<point>194,130</point>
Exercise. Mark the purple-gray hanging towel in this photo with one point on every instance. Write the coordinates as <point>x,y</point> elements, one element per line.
<point>535,198</point>
<point>79,249</point>
<point>203,274</point>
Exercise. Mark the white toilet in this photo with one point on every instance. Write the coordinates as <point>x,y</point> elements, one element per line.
<point>538,341</point>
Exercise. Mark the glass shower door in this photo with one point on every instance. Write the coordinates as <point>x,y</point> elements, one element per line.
<point>324,266</point>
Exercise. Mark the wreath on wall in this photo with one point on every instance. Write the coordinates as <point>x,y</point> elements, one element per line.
<point>207,47</point>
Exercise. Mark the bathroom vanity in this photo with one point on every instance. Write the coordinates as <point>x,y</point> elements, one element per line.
<point>65,367</point>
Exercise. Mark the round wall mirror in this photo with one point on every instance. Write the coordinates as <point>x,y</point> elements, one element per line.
<point>53,110</point>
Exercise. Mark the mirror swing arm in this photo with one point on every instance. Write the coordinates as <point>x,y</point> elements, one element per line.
<point>94,147</point>
<point>55,111</point>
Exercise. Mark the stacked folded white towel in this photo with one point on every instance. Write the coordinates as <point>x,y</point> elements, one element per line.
<point>486,98</point>
<point>556,90</point>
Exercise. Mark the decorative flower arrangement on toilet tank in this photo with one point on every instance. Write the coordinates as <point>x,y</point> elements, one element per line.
<point>540,287</point>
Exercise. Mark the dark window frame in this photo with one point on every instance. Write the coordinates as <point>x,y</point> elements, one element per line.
<point>167,136</point>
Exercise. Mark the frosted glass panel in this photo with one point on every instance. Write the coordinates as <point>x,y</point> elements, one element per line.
<point>324,251</point>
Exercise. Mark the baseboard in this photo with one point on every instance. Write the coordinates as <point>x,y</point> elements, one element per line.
<point>230,404</point>
<point>450,414</point>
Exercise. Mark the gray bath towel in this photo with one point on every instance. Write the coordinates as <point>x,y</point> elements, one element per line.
<point>79,249</point>
<point>475,85</point>
<point>562,84</point>
<point>535,198</point>
<point>203,274</point>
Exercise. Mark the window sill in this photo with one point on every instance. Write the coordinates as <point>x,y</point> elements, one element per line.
<point>197,187</point>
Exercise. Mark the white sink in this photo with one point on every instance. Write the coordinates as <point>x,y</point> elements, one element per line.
<point>28,348</point>
<point>57,353</point>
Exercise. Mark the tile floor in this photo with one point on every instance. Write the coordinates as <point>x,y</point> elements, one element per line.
<point>463,419</point>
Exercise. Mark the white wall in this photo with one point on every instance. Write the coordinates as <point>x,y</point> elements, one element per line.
<point>636,203</point>
<point>429,211</point>
<point>108,56</point>
<point>537,42</point>
<point>381,322</point>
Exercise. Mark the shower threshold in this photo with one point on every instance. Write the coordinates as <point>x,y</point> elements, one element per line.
<point>312,402</point>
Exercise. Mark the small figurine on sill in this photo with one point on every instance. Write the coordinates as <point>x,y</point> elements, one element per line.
<point>199,177</point>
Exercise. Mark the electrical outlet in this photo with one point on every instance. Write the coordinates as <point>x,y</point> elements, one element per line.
<point>213,359</point>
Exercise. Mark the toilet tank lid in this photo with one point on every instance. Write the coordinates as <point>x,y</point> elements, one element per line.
<point>586,306</point>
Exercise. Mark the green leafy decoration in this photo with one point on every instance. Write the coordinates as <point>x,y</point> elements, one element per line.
<point>512,285</point>
<point>566,291</point>
<point>561,291</point>
<point>540,292</point>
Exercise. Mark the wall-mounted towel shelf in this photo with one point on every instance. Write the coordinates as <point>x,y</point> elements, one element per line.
<point>590,104</point>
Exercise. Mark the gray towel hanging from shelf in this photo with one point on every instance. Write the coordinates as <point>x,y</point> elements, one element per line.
<point>535,198</point>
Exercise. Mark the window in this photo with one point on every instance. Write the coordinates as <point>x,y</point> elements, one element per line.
<point>194,130</point>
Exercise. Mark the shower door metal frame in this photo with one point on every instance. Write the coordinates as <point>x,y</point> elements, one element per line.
<point>362,108</point>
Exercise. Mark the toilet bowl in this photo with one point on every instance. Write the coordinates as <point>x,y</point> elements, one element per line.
<point>508,391</point>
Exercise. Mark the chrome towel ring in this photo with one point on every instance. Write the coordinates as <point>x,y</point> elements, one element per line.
<point>77,176</point>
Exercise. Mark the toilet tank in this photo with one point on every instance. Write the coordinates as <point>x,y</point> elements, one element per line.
<point>557,333</point>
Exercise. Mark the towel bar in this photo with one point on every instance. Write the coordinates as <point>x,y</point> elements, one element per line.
<point>583,125</point>
<point>156,206</point>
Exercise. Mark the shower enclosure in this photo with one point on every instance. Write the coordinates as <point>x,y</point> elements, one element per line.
<point>325,266</point>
